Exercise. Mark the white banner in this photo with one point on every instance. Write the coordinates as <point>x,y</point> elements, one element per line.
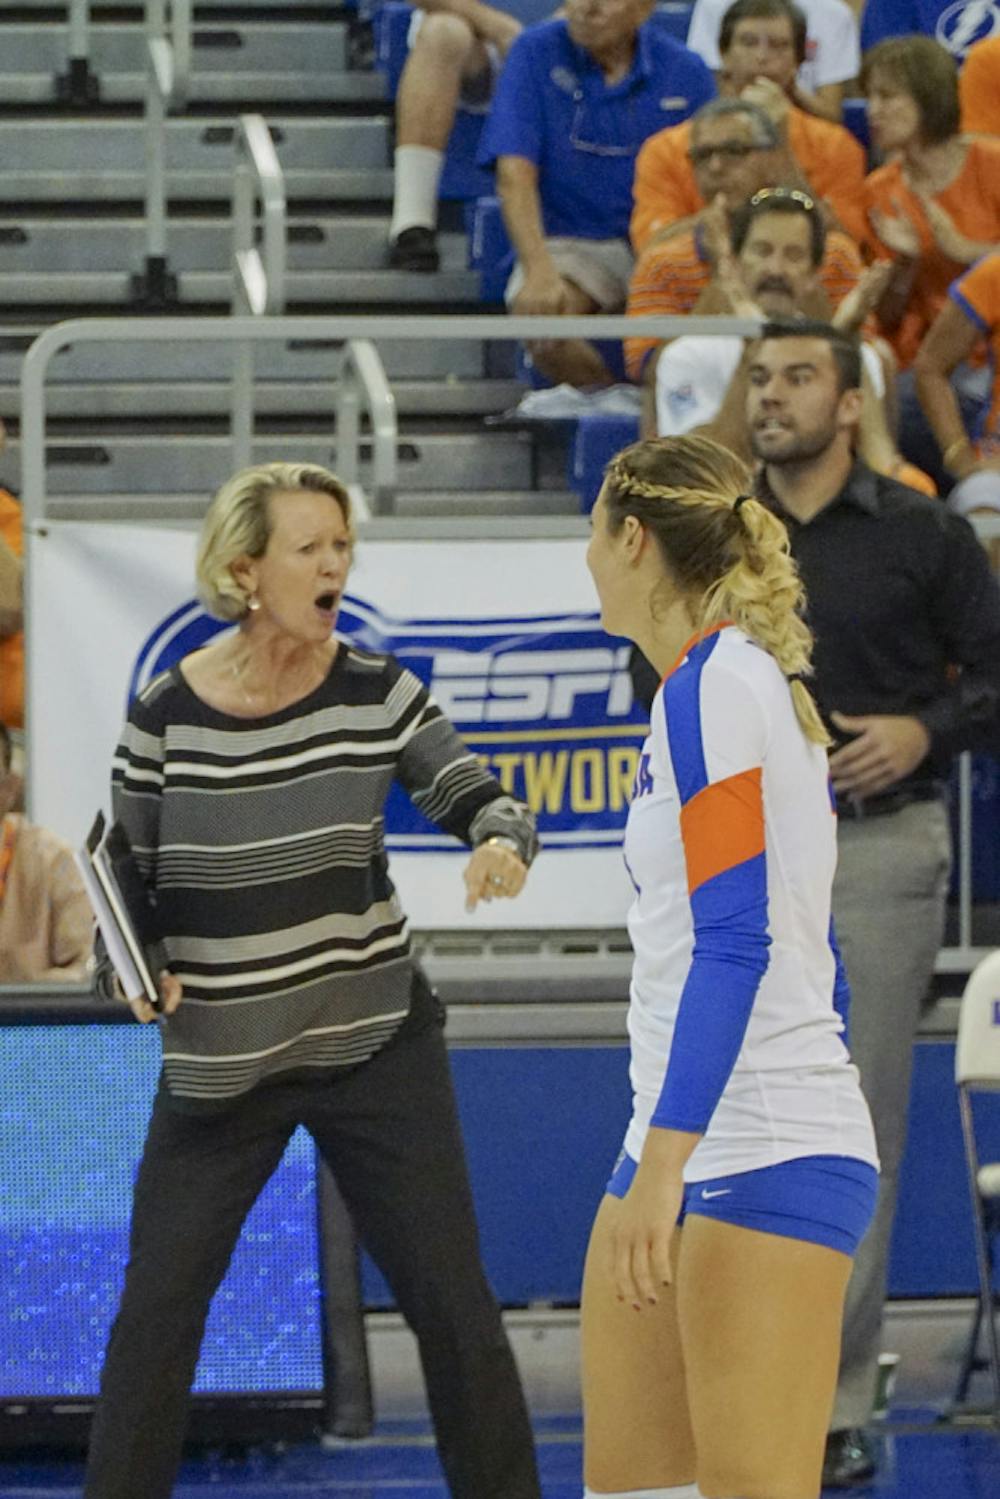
<point>505,634</point>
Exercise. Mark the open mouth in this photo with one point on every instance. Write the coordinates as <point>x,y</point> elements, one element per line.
<point>326,602</point>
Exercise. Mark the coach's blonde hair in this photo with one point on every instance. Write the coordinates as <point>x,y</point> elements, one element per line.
<point>238,524</point>
<point>732,563</point>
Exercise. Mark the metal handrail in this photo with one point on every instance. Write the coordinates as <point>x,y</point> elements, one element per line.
<point>258,275</point>
<point>78,85</point>
<point>363,385</point>
<point>168,74</point>
<point>79,30</point>
<point>363,330</point>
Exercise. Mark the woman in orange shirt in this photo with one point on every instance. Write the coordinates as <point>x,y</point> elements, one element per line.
<point>933,209</point>
<point>11,619</point>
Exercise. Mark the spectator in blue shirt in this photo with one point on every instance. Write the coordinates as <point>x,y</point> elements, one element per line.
<point>956,27</point>
<point>457,48</point>
<point>574,103</point>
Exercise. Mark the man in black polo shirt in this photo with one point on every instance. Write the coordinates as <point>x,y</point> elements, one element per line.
<point>906,616</point>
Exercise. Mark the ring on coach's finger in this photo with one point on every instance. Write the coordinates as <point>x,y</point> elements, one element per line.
<point>496,879</point>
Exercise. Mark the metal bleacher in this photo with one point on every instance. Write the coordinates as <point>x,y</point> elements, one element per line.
<point>149,421</point>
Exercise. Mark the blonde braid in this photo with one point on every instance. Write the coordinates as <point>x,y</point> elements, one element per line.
<point>725,549</point>
<point>762,593</point>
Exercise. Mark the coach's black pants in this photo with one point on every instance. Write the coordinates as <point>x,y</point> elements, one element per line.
<point>389,1132</point>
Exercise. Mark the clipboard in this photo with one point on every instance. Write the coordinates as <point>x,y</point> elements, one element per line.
<point>123,909</point>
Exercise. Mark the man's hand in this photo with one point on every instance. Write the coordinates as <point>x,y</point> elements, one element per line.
<point>713,226</point>
<point>772,99</point>
<point>542,293</point>
<point>886,748</point>
<point>729,279</point>
<point>863,297</point>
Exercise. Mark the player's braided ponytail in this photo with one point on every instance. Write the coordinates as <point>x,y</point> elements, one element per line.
<point>727,552</point>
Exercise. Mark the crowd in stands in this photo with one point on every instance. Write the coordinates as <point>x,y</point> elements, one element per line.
<point>634,172</point>
<point>629,168</point>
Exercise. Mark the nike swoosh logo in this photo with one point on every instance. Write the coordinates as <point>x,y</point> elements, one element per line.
<point>721,1192</point>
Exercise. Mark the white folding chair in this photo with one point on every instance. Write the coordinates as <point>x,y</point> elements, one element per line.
<point>977,1070</point>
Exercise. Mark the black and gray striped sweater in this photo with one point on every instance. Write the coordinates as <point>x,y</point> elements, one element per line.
<point>262,840</point>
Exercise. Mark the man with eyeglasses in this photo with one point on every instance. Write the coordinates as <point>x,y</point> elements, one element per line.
<point>769,268</point>
<point>731,155</point>
<point>577,98</point>
<point>761,44</point>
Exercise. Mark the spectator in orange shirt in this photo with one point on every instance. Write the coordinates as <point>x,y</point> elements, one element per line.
<point>933,209</point>
<point>46,926</point>
<point>11,616</point>
<point>731,160</point>
<point>971,313</point>
<point>766,270</point>
<point>761,43</point>
<point>979,88</point>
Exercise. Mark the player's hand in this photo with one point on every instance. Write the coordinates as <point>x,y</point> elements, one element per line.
<point>886,747</point>
<point>171,995</point>
<point>642,1236</point>
<point>493,873</point>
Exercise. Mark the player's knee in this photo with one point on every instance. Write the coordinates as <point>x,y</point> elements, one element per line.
<point>445,41</point>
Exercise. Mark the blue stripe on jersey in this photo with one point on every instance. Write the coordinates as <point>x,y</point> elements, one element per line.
<point>841,986</point>
<point>730,958</point>
<point>682,710</point>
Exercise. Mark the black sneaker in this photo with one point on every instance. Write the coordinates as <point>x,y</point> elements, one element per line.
<point>849,1460</point>
<point>414,250</point>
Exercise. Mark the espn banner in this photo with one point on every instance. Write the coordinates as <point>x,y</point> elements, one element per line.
<point>504,633</point>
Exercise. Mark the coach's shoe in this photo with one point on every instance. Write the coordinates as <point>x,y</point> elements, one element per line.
<point>849,1460</point>
<point>414,250</point>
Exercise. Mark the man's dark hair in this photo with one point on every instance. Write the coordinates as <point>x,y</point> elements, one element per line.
<point>846,350</point>
<point>764,10</point>
<point>6,750</point>
<point>780,200</point>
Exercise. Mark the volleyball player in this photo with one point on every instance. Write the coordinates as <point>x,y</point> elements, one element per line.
<point>719,1257</point>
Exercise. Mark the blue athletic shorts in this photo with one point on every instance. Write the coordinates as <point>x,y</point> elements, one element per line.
<point>824,1199</point>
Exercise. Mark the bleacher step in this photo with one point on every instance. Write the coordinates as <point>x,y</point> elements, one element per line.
<point>193,399</point>
<point>152,464</point>
<point>226,46</point>
<point>508,503</point>
<point>314,360</point>
<point>68,245</point>
<point>252,91</point>
<point>314,289</point>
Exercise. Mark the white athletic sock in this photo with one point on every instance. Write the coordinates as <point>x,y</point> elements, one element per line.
<point>416,174</point>
<point>686,1491</point>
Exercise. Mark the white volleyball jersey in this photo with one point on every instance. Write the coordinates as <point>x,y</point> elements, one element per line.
<point>731,846</point>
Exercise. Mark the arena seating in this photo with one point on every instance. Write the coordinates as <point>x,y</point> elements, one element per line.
<point>137,422</point>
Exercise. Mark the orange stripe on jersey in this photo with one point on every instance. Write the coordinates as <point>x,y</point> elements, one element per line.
<point>723,826</point>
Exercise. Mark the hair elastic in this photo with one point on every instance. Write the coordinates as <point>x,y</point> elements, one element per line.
<point>740,499</point>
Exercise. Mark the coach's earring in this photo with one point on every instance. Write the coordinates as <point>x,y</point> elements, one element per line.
<point>253,603</point>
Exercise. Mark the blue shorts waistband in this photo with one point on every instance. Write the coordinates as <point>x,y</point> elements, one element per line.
<point>825,1199</point>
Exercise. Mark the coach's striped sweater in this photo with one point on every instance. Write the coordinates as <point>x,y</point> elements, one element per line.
<point>262,841</point>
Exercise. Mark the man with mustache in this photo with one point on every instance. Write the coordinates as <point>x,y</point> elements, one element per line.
<point>769,268</point>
